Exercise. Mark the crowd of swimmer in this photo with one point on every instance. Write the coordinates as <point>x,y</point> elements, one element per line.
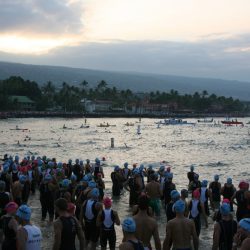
<point>73,196</point>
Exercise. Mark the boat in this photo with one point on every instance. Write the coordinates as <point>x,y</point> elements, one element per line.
<point>129,124</point>
<point>17,128</point>
<point>232,122</point>
<point>174,121</point>
<point>84,126</point>
<point>103,125</point>
<point>205,120</point>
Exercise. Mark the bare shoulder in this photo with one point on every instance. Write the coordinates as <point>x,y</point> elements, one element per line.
<point>245,244</point>
<point>57,223</point>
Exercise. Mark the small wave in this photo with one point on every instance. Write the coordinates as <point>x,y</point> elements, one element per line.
<point>214,164</point>
<point>236,147</point>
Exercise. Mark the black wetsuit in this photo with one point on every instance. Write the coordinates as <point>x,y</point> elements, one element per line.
<point>228,193</point>
<point>215,187</point>
<point>241,205</point>
<point>4,200</point>
<point>68,234</point>
<point>116,190</point>
<point>9,242</point>
<point>168,187</point>
<point>169,211</point>
<point>228,230</point>
<point>137,245</point>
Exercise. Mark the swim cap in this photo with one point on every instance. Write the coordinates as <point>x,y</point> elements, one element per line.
<point>59,165</point>
<point>168,169</point>
<point>226,201</point>
<point>81,163</point>
<point>150,167</point>
<point>69,161</point>
<point>116,168</point>
<point>184,192</point>
<point>244,185</point>
<point>22,178</point>
<point>6,167</point>
<point>136,171</point>
<point>88,161</point>
<point>11,207</point>
<point>128,225</point>
<point>17,158</point>
<point>95,193</point>
<point>174,195</point>
<point>179,206</point>
<point>97,161</point>
<point>73,177</point>
<point>225,209</point>
<point>39,162</point>
<point>85,178</point>
<point>216,177</point>
<point>50,164</point>
<point>24,212</point>
<point>204,183</point>
<point>32,157</point>
<point>2,185</point>
<point>162,168</point>
<point>141,167</point>
<point>47,177</point>
<point>125,164</point>
<point>107,202</point>
<point>71,208</point>
<point>245,224</point>
<point>196,194</point>
<point>65,183</point>
<point>77,161</point>
<point>229,180</point>
<point>91,184</point>
<point>192,167</point>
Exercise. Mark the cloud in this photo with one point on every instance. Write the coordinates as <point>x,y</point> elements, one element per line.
<point>214,58</point>
<point>54,17</point>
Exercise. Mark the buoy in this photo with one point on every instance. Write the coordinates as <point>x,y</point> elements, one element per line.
<point>112,142</point>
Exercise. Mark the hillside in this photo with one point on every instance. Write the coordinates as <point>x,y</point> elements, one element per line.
<point>123,80</point>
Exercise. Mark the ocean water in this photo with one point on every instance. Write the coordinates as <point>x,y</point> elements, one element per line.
<point>212,149</point>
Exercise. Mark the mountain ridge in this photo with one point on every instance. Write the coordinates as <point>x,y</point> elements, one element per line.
<point>136,81</point>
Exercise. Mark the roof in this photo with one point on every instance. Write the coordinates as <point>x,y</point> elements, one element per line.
<point>21,99</point>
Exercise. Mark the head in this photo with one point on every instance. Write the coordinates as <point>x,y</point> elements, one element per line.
<point>179,207</point>
<point>125,165</point>
<point>184,193</point>
<point>143,202</point>
<point>61,205</point>
<point>77,161</point>
<point>175,195</point>
<point>244,225</point>
<point>243,185</point>
<point>204,183</point>
<point>91,184</point>
<point>225,209</point>
<point>129,226</point>
<point>216,177</point>
<point>192,168</point>
<point>23,214</point>
<point>88,161</point>
<point>2,186</point>
<point>116,168</point>
<point>107,202</point>
<point>95,194</point>
<point>11,208</point>
<point>229,181</point>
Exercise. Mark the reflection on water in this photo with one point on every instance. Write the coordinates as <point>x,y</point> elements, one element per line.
<point>222,150</point>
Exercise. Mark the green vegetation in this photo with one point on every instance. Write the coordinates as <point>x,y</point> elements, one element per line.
<point>68,97</point>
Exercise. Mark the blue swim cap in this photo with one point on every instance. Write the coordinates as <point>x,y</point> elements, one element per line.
<point>136,171</point>
<point>204,183</point>
<point>59,165</point>
<point>91,184</point>
<point>50,164</point>
<point>174,195</point>
<point>88,161</point>
<point>225,209</point>
<point>245,224</point>
<point>125,164</point>
<point>32,157</point>
<point>17,158</point>
<point>179,206</point>
<point>216,177</point>
<point>81,163</point>
<point>6,167</point>
<point>28,157</point>
<point>69,161</point>
<point>150,167</point>
<point>116,168</point>
<point>77,161</point>
<point>39,162</point>
<point>22,178</point>
<point>95,193</point>
<point>97,161</point>
<point>229,180</point>
<point>162,168</point>
<point>65,183</point>
<point>90,177</point>
<point>47,177</point>
<point>85,178</point>
<point>128,225</point>
<point>24,212</point>
<point>73,177</point>
<point>192,167</point>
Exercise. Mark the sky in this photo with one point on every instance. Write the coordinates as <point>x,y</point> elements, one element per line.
<point>179,37</point>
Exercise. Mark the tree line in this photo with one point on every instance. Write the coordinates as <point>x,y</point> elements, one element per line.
<point>68,97</point>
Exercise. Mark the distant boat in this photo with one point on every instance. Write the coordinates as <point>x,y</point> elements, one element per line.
<point>232,122</point>
<point>139,130</point>
<point>84,126</point>
<point>129,124</point>
<point>205,120</point>
<point>174,121</point>
<point>103,125</point>
<point>17,128</point>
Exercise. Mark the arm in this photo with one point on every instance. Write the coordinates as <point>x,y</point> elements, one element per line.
<point>13,225</point>
<point>216,236</point>
<point>80,235</point>
<point>245,244</point>
<point>21,239</point>
<point>57,235</point>
<point>157,238</point>
<point>204,213</point>
<point>99,219</point>
<point>167,241</point>
<point>195,237</point>
<point>117,219</point>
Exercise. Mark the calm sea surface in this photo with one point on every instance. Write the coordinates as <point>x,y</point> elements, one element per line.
<point>212,149</point>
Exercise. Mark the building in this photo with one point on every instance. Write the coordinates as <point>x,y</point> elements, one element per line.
<point>97,106</point>
<point>23,103</point>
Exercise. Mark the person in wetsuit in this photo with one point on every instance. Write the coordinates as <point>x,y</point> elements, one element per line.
<point>66,228</point>
<point>228,191</point>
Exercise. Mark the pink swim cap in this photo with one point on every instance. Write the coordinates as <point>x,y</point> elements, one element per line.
<point>107,202</point>
<point>196,193</point>
<point>226,201</point>
<point>11,207</point>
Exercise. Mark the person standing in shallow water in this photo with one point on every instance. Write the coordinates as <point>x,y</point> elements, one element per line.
<point>66,227</point>
<point>29,236</point>
<point>180,231</point>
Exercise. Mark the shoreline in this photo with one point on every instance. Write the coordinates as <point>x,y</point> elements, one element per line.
<point>45,114</point>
